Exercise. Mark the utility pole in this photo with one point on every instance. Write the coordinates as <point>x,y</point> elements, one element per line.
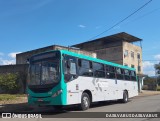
<point>157,73</point>
<point>139,79</point>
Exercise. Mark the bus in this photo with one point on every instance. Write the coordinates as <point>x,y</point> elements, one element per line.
<point>60,78</point>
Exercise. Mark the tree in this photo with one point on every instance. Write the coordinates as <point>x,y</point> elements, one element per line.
<point>157,68</point>
<point>9,82</point>
<point>150,83</point>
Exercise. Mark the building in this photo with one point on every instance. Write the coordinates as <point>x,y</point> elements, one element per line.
<point>118,48</point>
<point>21,58</point>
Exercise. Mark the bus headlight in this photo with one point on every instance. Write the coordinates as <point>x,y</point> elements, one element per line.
<point>57,93</point>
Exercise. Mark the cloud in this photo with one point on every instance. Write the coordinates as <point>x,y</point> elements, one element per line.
<point>82,26</point>
<point>1,54</point>
<point>7,62</point>
<point>157,57</point>
<point>149,73</point>
<point>148,68</point>
<point>147,64</point>
<point>13,55</point>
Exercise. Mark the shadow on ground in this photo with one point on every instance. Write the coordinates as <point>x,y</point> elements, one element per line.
<point>19,107</point>
<point>24,107</point>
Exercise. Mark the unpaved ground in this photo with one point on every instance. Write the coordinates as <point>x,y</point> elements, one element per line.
<point>148,93</point>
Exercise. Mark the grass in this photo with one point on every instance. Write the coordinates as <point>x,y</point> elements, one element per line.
<point>20,95</point>
<point>6,97</point>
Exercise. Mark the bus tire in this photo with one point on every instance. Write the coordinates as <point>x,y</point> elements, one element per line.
<point>85,101</point>
<point>125,97</point>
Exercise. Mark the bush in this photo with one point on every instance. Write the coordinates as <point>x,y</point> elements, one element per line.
<point>149,81</point>
<point>158,88</point>
<point>145,87</point>
<point>9,82</point>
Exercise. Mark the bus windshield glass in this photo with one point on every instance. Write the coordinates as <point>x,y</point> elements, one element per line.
<point>44,71</point>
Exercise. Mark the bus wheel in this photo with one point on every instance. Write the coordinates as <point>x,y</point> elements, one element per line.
<point>125,97</point>
<point>85,101</point>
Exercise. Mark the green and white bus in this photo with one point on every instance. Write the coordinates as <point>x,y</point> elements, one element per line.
<point>61,78</point>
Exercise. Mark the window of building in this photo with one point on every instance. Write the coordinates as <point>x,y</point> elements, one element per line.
<point>125,53</point>
<point>132,66</point>
<point>138,56</point>
<point>125,64</point>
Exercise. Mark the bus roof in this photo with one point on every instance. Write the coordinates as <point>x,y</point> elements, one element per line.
<point>89,58</point>
<point>95,59</point>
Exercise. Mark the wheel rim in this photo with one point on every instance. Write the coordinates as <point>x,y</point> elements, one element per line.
<point>85,102</point>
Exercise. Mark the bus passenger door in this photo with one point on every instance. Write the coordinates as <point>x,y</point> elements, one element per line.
<point>70,77</point>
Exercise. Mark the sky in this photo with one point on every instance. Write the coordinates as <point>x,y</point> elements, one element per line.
<point>30,24</point>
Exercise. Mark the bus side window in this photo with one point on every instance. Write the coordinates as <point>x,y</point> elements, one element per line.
<point>110,72</point>
<point>98,70</point>
<point>133,75</point>
<point>119,73</point>
<point>85,68</point>
<point>126,74</point>
<point>79,63</point>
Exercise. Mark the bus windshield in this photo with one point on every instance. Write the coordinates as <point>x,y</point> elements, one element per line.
<point>44,71</point>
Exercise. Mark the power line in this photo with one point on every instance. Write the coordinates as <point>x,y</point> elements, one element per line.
<point>123,19</point>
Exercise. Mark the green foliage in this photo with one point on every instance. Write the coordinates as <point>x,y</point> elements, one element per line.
<point>158,88</point>
<point>158,80</point>
<point>149,81</point>
<point>5,97</point>
<point>9,82</point>
<point>157,66</point>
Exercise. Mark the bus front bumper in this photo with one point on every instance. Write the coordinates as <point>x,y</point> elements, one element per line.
<point>45,100</point>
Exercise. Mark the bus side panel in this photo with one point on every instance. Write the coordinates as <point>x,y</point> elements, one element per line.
<point>130,86</point>
<point>76,87</point>
<point>73,92</point>
<point>101,89</point>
